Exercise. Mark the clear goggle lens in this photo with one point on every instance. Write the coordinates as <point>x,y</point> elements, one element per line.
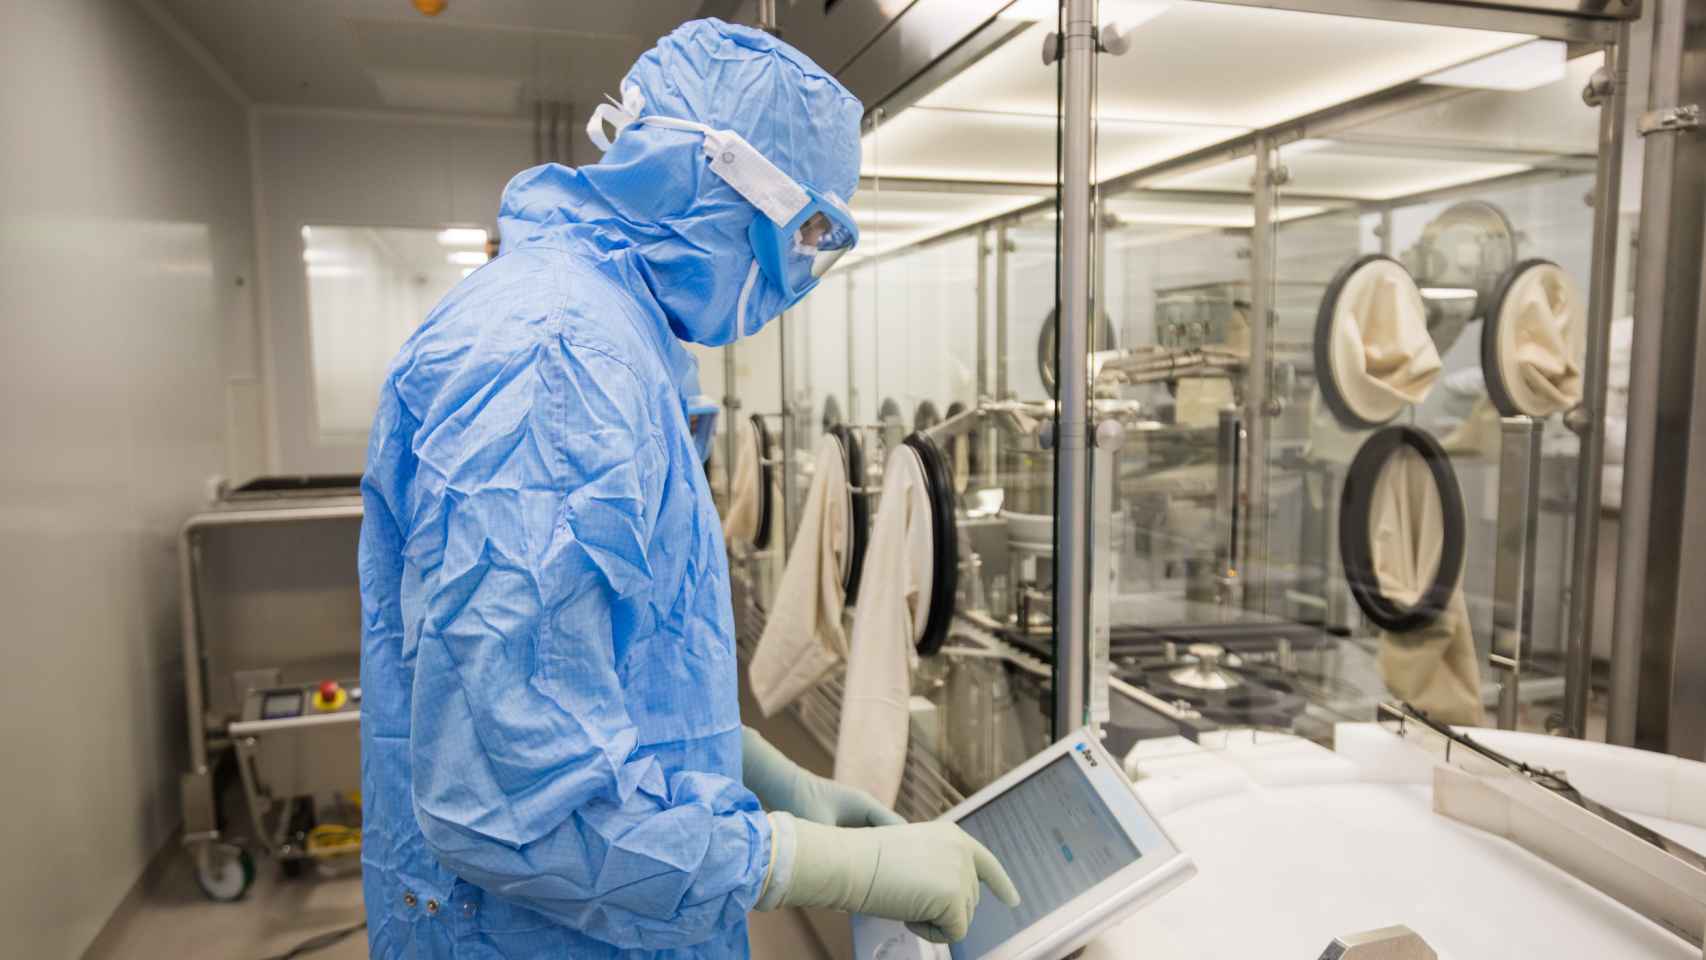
<point>824,240</point>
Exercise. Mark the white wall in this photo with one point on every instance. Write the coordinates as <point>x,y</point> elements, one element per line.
<point>124,233</point>
<point>335,168</point>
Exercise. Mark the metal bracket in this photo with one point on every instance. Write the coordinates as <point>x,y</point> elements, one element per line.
<point>1599,88</point>
<point>1678,119</point>
<point>1390,943</point>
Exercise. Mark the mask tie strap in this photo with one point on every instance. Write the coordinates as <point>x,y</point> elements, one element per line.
<point>619,116</point>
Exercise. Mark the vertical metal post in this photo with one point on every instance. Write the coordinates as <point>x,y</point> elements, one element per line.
<point>1610,87</point>
<point>852,367</point>
<point>1255,564</point>
<point>1109,437</point>
<point>1513,564</point>
<point>982,314</point>
<point>1650,555</point>
<point>1228,452</point>
<point>1003,247</point>
<point>1072,454</point>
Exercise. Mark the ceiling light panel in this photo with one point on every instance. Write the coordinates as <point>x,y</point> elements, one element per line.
<point>1014,148</point>
<point>1533,64</point>
<point>1328,172</point>
<point>1134,208</point>
<point>1222,65</point>
<point>889,219</point>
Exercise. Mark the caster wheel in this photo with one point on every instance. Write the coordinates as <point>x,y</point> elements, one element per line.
<point>292,868</point>
<point>225,872</point>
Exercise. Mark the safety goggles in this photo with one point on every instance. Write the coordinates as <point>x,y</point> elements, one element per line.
<point>797,253</point>
<point>802,232</point>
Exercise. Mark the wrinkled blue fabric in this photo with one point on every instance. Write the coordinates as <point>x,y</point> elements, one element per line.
<point>551,741</point>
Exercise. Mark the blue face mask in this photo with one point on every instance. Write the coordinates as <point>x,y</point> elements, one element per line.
<point>799,233</point>
<point>702,421</point>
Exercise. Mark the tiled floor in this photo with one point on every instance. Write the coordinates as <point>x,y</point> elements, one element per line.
<point>168,917</point>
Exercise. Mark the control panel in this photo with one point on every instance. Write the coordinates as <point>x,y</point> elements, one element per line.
<point>306,700</point>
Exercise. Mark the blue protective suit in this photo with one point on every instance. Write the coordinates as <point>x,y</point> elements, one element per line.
<point>550,731</point>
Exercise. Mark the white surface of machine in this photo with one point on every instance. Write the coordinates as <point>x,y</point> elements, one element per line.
<point>1079,846</point>
<point>1297,844</point>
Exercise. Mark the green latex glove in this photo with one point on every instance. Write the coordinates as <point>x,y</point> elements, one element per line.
<point>926,875</point>
<point>783,785</point>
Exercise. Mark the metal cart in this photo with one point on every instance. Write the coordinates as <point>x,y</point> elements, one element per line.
<point>271,647</point>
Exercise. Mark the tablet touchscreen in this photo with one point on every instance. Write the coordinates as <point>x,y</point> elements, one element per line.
<point>1055,837</point>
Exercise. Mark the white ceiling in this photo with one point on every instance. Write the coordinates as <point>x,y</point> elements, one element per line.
<point>1196,74</point>
<point>488,57</point>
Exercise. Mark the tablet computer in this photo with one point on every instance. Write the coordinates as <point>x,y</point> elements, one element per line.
<point>1077,842</point>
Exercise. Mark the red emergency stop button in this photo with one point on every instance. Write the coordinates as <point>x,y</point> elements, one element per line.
<point>330,696</point>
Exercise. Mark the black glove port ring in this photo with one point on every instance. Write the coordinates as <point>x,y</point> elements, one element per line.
<point>944,543</point>
<point>925,416</point>
<point>858,508</point>
<point>1325,376</point>
<point>1357,550</point>
<point>1491,323</point>
<point>761,538</point>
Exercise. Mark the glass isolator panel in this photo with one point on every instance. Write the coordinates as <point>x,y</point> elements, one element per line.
<point>1228,602</point>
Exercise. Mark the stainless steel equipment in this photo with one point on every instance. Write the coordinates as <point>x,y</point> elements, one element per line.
<point>276,612</point>
<point>1387,943</point>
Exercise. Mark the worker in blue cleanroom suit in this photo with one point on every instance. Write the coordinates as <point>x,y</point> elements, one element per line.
<point>553,763</point>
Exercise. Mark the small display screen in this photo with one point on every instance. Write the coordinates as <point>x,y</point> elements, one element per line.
<point>278,705</point>
<point>1056,839</point>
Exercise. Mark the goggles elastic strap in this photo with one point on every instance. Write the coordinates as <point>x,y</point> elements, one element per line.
<point>618,115</point>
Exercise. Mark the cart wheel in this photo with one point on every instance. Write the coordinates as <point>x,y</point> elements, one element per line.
<point>292,868</point>
<point>225,873</point>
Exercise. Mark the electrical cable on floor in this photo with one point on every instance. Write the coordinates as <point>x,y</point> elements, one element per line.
<point>319,942</point>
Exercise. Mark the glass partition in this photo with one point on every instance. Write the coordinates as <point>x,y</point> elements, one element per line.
<point>1244,159</point>
<point>927,349</point>
<point>1236,486</point>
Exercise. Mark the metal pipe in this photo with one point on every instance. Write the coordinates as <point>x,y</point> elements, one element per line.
<point>1645,360</point>
<point>191,639</point>
<point>852,371</point>
<point>986,438</point>
<point>1255,563</point>
<point>1072,455</point>
<point>1588,420</point>
<point>982,315</point>
<point>1002,248</point>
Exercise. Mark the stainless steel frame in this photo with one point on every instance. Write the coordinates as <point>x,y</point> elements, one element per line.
<point>1609,89</point>
<point>1658,679</point>
<point>196,786</point>
<point>1071,441</point>
<point>1257,409</point>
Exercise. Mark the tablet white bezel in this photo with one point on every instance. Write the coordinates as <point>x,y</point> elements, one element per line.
<point>1159,866</point>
